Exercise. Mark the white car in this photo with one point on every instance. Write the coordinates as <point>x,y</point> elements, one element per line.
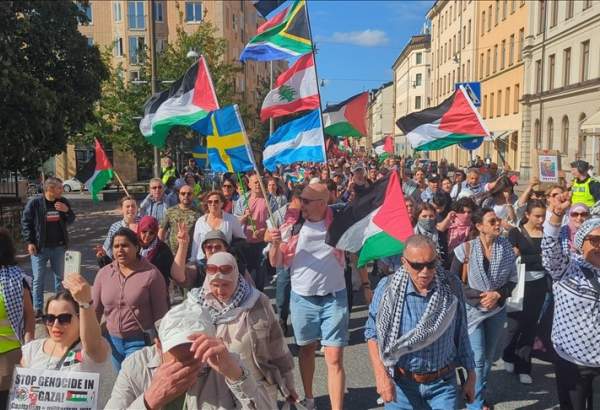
<point>73,184</point>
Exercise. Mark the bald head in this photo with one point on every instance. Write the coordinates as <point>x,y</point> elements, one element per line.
<point>314,202</point>
<point>316,191</point>
<point>419,243</point>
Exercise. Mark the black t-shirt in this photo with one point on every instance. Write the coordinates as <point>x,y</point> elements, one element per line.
<point>530,248</point>
<point>54,233</point>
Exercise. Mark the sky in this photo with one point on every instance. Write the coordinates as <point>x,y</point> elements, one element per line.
<point>357,41</point>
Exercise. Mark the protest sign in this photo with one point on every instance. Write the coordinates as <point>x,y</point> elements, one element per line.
<point>42,389</point>
<point>548,166</point>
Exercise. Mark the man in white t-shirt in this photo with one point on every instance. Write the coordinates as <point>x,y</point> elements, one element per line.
<point>319,303</point>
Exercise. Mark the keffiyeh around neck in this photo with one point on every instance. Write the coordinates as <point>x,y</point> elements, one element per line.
<point>148,223</point>
<point>502,265</point>
<point>427,227</point>
<point>438,316</point>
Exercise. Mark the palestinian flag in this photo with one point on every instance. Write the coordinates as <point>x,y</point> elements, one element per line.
<point>97,172</point>
<point>188,100</point>
<point>76,396</point>
<point>348,118</point>
<point>385,146</point>
<point>282,37</point>
<point>454,121</point>
<point>376,223</point>
<point>295,90</point>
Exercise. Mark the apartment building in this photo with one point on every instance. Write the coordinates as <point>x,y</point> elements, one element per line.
<point>123,24</point>
<point>411,86</point>
<point>454,37</point>
<point>562,81</point>
<point>380,114</point>
<point>500,70</point>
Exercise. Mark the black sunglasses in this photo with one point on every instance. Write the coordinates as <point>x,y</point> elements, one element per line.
<point>63,319</point>
<point>419,266</point>
<point>594,240</point>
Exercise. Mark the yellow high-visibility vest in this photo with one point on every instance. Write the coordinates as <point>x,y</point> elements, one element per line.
<point>581,192</point>
<point>8,339</point>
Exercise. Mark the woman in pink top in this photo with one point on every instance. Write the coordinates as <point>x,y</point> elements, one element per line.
<point>132,295</point>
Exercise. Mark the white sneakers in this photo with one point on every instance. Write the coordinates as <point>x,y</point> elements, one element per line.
<point>525,379</point>
<point>308,404</point>
<point>509,367</point>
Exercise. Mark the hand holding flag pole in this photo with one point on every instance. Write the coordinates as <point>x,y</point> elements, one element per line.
<point>245,197</point>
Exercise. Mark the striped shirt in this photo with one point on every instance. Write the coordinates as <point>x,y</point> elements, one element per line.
<point>439,354</point>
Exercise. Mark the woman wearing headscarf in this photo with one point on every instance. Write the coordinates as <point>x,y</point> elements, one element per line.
<point>576,290</point>
<point>245,321</point>
<point>577,215</point>
<point>152,248</point>
<point>487,268</point>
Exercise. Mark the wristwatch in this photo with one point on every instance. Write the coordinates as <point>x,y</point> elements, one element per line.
<point>86,305</point>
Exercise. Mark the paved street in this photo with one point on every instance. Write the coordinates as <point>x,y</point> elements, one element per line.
<point>506,392</point>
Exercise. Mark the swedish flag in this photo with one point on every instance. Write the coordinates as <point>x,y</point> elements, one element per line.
<point>199,154</point>
<point>226,140</point>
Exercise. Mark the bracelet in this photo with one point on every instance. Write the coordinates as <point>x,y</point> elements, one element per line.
<point>560,215</point>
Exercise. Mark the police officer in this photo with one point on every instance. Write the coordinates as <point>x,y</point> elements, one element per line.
<point>585,190</point>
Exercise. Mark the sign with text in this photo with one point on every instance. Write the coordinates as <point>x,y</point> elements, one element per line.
<point>42,389</point>
<point>548,168</point>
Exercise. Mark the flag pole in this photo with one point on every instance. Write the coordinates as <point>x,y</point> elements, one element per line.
<point>121,182</point>
<point>312,45</point>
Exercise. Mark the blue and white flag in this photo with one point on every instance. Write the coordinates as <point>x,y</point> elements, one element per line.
<point>297,141</point>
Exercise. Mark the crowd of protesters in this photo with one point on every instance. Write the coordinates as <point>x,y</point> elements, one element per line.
<point>490,272</point>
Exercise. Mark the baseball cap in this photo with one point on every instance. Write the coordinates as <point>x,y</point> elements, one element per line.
<point>182,321</point>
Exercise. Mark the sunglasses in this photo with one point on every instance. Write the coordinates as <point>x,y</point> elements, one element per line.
<point>224,269</point>
<point>63,319</point>
<point>213,202</point>
<point>580,214</point>
<point>594,240</point>
<point>214,247</point>
<point>156,187</point>
<point>419,266</point>
<point>185,194</point>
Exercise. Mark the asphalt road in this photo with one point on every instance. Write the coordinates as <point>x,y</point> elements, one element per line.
<point>505,391</point>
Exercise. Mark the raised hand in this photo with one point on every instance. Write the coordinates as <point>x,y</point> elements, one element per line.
<point>183,236</point>
<point>171,380</point>
<point>212,351</point>
<point>79,287</point>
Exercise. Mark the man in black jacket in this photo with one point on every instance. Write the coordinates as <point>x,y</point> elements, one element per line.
<point>44,227</point>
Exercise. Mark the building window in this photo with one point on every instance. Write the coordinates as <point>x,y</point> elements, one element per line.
<point>497,12</point>
<point>551,69</point>
<point>418,79</point>
<point>550,133</point>
<point>511,50</point>
<point>463,38</point>
<point>118,50</point>
<point>158,11</point>
<point>491,105</point>
<point>503,55</point>
<point>487,62</point>
<point>482,23</point>
<point>554,13</point>
<point>489,26</point>
<point>587,4</point>
<point>585,60</point>
<point>499,104</point>
<point>582,141</point>
<point>513,6</point>
<point>136,49</point>
<point>495,57</point>
<point>521,43</point>
<point>481,66</point>
<point>507,101</point>
<point>418,102</point>
<point>516,101</point>
<point>419,58</point>
<point>87,9</point>
<point>90,41</point>
<point>468,77</point>
<point>565,135</point>
<point>567,66</point>
<point>504,9</point>
<point>569,9</point>
<point>538,76</point>
<point>484,107</point>
<point>469,32</point>
<point>135,15</point>
<point>537,135</point>
<point>541,16</point>
<point>193,11</point>
<point>117,11</point>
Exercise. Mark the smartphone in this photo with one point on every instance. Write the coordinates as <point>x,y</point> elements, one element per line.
<point>72,262</point>
<point>461,375</point>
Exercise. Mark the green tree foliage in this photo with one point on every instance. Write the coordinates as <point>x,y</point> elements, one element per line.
<point>49,80</point>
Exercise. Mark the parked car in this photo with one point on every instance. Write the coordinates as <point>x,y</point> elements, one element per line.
<point>73,184</point>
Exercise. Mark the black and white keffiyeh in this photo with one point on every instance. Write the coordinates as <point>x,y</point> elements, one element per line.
<point>243,298</point>
<point>436,319</point>
<point>502,265</point>
<point>11,287</point>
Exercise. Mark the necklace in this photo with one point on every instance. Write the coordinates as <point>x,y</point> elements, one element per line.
<point>51,354</point>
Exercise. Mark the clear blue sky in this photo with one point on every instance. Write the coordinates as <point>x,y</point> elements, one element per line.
<point>359,40</point>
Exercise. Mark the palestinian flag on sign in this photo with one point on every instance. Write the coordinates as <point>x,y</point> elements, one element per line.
<point>189,99</point>
<point>76,396</point>
<point>97,172</point>
<point>454,121</point>
<point>348,118</point>
<point>376,223</point>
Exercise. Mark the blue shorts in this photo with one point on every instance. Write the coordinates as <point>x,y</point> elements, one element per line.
<point>323,318</point>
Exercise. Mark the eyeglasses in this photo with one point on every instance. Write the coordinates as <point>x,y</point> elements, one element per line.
<point>594,240</point>
<point>63,319</point>
<point>214,248</point>
<point>213,202</point>
<point>224,269</point>
<point>419,266</point>
<point>156,187</point>
<point>307,201</point>
<point>185,194</point>
<point>580,214</point>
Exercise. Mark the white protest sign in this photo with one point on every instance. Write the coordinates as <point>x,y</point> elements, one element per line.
<point>548,168</point>
<point>42,389</point>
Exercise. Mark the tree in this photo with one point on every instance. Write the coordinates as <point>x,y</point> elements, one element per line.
<point>49,80</point>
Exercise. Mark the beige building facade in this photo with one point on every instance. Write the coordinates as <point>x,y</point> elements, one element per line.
<point>562,81</point>
<point>411,86</point>
<point>123,24</point>
<point>381,114</point>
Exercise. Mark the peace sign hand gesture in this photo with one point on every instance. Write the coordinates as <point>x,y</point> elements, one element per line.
<point>183,236</point>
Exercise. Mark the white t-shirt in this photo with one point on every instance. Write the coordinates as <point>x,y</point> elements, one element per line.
<point>230,226</point>
<point>315,270</point>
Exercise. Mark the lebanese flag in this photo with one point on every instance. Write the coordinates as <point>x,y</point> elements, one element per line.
<point>295,90</point>
<point>376,223</point>
<point>453,121</point>
<point>348,118</point>
<point>97,172</point>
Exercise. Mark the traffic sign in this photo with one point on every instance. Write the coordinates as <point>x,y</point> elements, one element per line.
<point>471,144</point>
<point>473,91</point>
